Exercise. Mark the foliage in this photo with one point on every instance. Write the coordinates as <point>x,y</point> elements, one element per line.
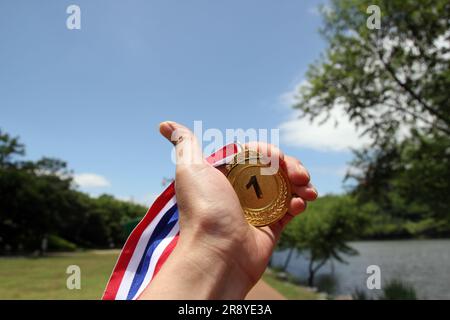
<point>393,84</point>
<point>39,199</point>
<point>323,232</point>
<point>56,243</point>
<point>393,290</point>
<point>408,184</point>
<point>398,290</point>
<point>385,80</point>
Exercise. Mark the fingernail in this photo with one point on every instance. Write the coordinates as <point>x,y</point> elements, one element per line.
<point>167,128</point>
<point>171,124</point>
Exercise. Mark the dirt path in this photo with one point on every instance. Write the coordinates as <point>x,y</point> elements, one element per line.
<point>262,291</point>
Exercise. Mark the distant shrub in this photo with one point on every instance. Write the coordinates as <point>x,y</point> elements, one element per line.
<point>398,290</point>
<point>56,243</point>
<point>392,290</point>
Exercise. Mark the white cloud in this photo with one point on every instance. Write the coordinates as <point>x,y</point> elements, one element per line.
<point>316,10</point>
<point>289,98</point>
<point>145,200</point>
<point>91,180</point>
<point>336,134</point>
<point>335,170</point>
<point>125,198</point>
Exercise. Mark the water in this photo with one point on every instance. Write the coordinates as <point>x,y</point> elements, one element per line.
<point>423,263</point>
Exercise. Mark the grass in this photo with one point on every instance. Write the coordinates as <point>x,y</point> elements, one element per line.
<point>288,289</point>
<point>45,278</point>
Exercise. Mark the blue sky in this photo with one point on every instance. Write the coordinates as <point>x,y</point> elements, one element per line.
<point>94,97</point>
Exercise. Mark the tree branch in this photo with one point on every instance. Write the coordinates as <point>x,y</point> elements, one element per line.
<point>407,89</point>
<point>401,109</point>
<point>320,265</point>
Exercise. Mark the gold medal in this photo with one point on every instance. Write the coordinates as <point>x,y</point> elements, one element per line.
<point>264,198</point>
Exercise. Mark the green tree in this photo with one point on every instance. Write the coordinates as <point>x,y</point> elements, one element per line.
<point>33,196</point>
<point>288,241</point>
<point>10,148</point>
<point>39,200</point>
<point>323,232</point>
<point>408,184</point>
<point>388,79</point>
<point>393,84</point>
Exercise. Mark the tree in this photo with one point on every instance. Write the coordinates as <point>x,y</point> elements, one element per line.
<point>33,197</point>
<point>288,241</point>
<point>39,201</point>
<point>387,80</point>
<point>408,183</point>
<point>9,149</point>
<point>392,83</point>
<point>323,232</point>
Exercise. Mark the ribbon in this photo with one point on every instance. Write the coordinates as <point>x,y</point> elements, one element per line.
<point>153,239</point>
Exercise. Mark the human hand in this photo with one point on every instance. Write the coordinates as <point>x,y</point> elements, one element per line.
<point>219,254</point>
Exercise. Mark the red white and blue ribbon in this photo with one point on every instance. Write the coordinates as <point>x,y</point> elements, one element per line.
<point>151,242</point>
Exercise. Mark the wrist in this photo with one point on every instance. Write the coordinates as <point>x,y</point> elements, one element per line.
<point>220,273</point>
<point>198,272</point>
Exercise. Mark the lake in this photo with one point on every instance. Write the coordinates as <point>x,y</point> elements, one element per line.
<point>425,264</point>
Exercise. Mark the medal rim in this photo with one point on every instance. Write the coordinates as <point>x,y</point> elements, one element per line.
<point>281,203</point>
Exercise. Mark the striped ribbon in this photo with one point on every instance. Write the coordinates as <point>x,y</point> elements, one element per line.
<point>151,242</point>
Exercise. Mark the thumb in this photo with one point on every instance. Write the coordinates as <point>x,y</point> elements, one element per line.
<point>187,149</point>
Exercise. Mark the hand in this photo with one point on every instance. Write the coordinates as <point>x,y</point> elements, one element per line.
<point>218,255</point>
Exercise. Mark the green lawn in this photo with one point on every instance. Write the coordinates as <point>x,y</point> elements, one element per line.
<point>45,278</point>
<point>288,289</point>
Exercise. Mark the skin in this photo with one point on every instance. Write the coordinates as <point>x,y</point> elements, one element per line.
<point>218,255</point>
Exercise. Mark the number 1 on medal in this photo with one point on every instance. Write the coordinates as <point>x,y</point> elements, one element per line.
<point>254,182</point>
